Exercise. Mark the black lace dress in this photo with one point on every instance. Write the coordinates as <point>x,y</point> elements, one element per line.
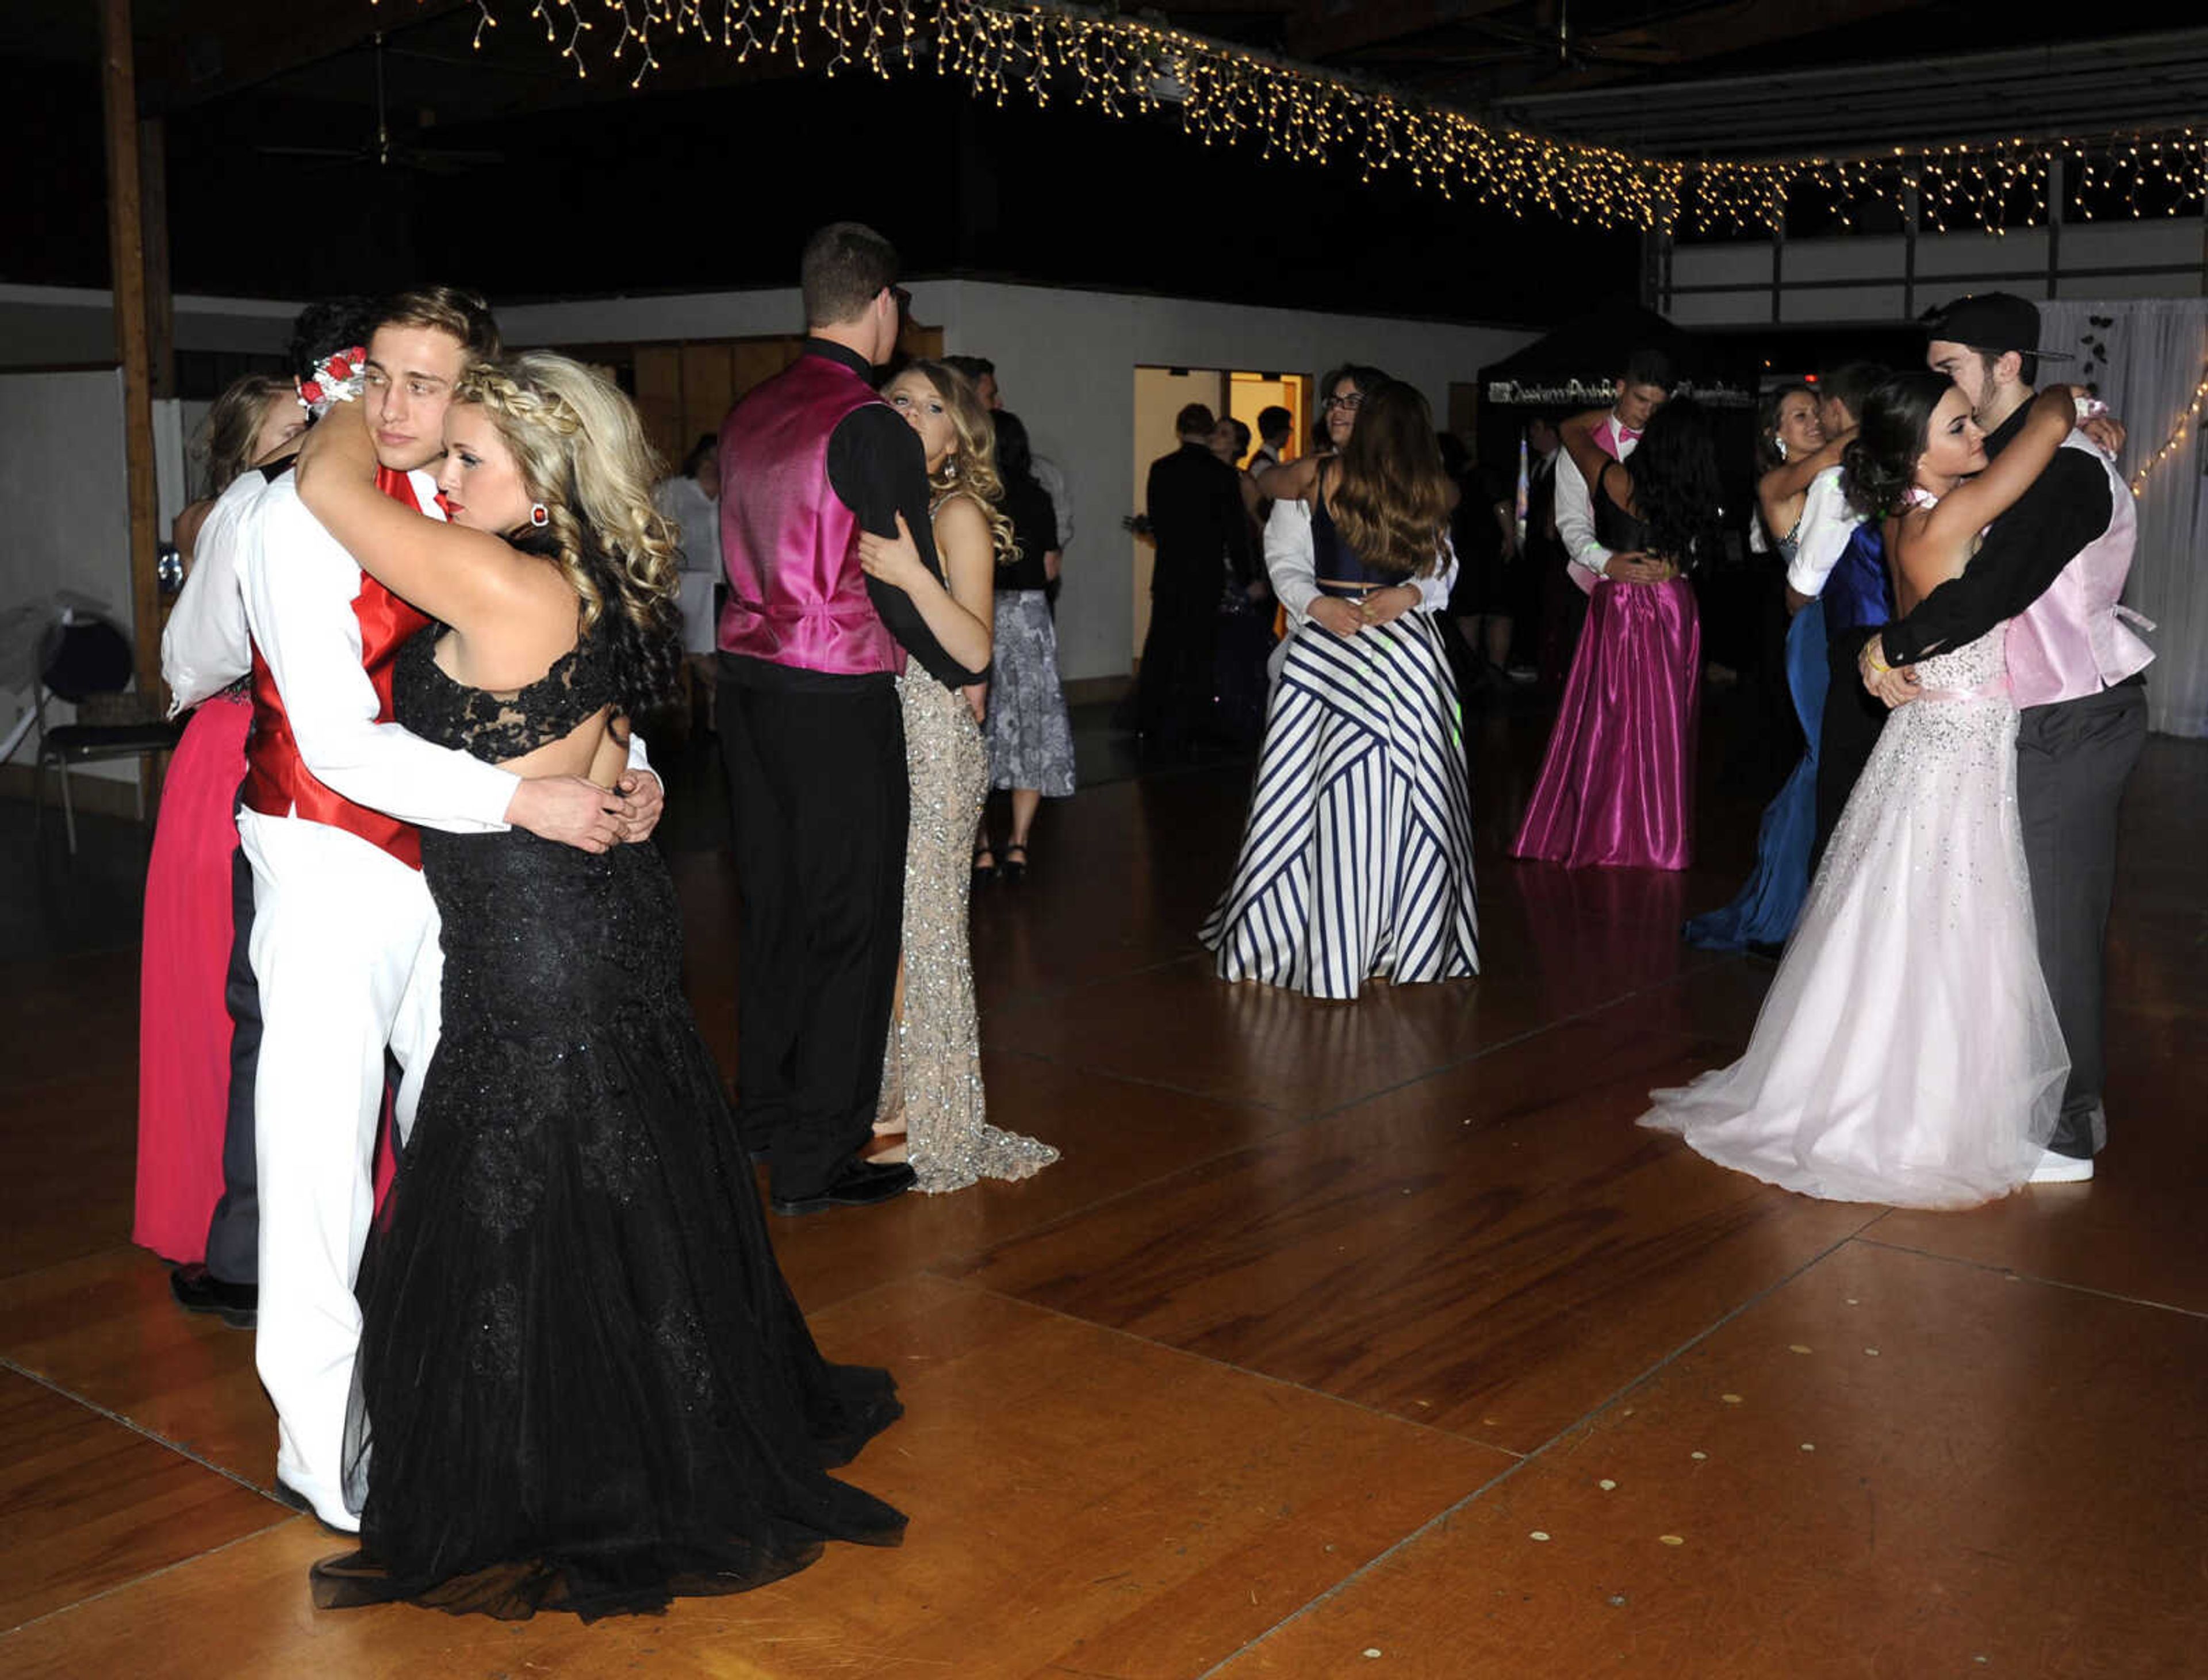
<point>583,1384</point>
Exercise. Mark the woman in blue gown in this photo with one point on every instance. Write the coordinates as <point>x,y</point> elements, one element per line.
<point>1793,491</point>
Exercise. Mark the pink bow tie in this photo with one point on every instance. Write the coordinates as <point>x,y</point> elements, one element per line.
<point>1626,434</point>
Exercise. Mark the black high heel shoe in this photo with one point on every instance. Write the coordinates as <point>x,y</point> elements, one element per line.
<point>1014,869</point>
<point>985,862</point>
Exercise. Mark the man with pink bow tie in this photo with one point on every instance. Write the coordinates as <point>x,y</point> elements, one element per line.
<point>1644,386</point>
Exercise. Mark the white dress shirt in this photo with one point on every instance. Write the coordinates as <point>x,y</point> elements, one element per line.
<point>1588,559</point>
<point>300,586</point>
<point>1821,534</point>
<point>206,645</point>
<point>1061,499</point>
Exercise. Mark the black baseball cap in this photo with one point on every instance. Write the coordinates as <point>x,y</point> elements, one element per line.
<point>1992,321</point>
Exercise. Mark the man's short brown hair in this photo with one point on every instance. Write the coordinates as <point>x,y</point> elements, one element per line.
<point>845,268</point>
<point>448,309</point>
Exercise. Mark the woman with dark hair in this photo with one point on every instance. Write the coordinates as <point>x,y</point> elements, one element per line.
<point>1030,732</point>
<point>1617,784</point>
<point>1792,460</point>
<point>583,1384</point>
<point>183,1022</point>
<point>1356,863</point>
<point>1908,1051</point>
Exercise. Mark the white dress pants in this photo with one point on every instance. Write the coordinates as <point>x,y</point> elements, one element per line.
<point>345,948</point>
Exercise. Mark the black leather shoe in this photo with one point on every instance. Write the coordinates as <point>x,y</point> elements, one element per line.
<point>861,1184</point>
<point>199,1290</point>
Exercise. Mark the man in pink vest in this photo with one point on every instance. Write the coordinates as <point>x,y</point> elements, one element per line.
<point>345,943</point>
<point>2054,566</point>
<point>811,731</point>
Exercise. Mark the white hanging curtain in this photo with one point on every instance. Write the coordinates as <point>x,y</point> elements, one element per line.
<point>2148,356</point>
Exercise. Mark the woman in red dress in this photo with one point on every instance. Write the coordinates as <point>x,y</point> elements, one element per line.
<point>183,1022</point>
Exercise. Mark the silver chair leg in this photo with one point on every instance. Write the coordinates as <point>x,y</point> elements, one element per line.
<point>68,810</point>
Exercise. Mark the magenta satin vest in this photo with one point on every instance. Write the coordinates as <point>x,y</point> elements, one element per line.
<point>2074,640</point>
<point>796,596</point>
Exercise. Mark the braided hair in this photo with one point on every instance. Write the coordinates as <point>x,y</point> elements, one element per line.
<point>583,453</point>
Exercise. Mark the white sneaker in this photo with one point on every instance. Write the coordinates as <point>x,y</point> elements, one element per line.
<point>2062,1169</point>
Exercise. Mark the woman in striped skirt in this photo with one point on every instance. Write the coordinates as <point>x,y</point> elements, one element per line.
<point>1356,862</point>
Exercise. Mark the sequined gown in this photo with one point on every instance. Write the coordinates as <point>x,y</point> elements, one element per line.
<point>583,1383</point>
<point>932,1064</point>
<point>1907,1052</point>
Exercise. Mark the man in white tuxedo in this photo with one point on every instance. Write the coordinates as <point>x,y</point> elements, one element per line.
<point>345,936</point>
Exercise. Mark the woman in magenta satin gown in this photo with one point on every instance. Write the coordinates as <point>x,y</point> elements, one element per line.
<point>1617,785</point>
<point>183,1022</point>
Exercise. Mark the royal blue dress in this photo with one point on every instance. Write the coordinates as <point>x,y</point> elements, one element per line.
<point>1763,912</point>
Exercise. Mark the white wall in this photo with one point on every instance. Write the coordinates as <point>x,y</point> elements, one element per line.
<point>65,484</point>
<point>1067,362</point>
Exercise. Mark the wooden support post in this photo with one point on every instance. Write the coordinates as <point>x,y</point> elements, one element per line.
<point>153,221</point>
<point>126,245</point>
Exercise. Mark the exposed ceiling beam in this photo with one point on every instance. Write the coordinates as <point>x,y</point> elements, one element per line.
<point>1322,28</point>
<point>1713,32</point>
<point>243,43</point>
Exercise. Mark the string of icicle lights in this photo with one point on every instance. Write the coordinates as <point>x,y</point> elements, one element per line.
<point>2176,441</point>
<point>1227,95</point>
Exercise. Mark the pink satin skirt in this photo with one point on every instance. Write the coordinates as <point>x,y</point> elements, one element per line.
<point>1617,785</point>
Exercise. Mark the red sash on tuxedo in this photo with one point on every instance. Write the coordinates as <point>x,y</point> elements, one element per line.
<point>278,783</point>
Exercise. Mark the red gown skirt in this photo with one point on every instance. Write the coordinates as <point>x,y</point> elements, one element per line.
<point>184,1025</point>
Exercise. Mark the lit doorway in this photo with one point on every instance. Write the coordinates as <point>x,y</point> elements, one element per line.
<point>1161,394</point>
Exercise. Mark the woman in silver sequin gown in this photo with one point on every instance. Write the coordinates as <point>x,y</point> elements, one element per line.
<point>1907,1052</point>
<point>932,1064</point>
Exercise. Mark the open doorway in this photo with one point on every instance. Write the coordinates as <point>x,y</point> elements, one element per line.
<point>1161,394</point>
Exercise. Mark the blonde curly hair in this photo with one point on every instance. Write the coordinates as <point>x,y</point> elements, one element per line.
<point>972,469</point>
<point>582,453</point>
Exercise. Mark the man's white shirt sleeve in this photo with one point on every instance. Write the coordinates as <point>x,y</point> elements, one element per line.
<point>299,589</point>
<point>1827,522</point>
<point>206,645</point>
<point>1575,518</point>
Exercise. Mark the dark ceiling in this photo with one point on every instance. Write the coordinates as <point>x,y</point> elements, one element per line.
<point>494,163</point>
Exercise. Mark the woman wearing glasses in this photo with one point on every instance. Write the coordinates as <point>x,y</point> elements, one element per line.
<point>1356,864</point>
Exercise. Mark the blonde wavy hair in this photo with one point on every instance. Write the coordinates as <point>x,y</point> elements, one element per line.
<point>972,469</point>
<point>582,453</point>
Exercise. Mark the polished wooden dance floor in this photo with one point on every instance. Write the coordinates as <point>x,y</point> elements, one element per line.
<point>1345,1340</point>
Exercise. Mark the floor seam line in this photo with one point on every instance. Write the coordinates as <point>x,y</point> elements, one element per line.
<point>2033,1277</point>
<point>1442,1517</point>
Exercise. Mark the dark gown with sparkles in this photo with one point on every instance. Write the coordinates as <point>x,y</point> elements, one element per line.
<point>583,1383</point>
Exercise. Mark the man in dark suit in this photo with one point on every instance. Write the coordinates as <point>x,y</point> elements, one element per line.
<point>1194,507</point>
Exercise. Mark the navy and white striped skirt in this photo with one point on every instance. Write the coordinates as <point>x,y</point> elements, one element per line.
<point>1357,860</point>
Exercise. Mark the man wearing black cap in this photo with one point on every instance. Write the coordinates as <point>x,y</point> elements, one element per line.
<point>2055,565</point>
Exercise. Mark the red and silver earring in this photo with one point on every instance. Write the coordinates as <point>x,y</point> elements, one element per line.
<point>539,515</point>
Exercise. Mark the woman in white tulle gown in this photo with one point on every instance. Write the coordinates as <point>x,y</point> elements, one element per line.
<point>1907,1052</point>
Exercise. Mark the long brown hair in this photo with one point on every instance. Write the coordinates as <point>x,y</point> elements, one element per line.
<point>1391,498</point>
<point>232,424</point>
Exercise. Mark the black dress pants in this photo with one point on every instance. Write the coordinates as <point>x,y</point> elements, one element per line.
<point>233,1244</point>
<point>2072,759</point>
<point>1853,718</point>
<point>1173,692</point>
<point>819,799</point>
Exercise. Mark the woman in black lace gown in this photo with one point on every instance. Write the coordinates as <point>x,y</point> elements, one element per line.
<point>583,1383</point>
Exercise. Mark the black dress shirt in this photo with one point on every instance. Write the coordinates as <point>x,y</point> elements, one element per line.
<point>2025,550</point>
<point>1034,533</point>
<point>1194,502</point>
<point>879,469</point>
